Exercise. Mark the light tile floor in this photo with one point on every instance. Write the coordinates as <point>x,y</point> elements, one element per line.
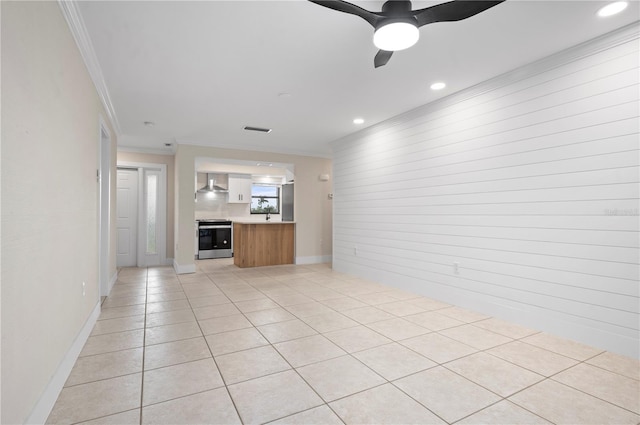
<point>307,345</point>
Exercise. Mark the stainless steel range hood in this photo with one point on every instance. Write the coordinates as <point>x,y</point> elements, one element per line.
<point>213,182</point>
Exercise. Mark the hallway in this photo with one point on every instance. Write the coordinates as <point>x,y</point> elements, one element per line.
<point>305,344</point>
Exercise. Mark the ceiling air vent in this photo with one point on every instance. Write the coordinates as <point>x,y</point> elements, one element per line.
<point>259,129</point>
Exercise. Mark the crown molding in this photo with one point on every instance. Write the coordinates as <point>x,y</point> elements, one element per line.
<point>83,41</point>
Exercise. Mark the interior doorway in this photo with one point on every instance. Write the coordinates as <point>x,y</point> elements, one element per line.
<point>142,210</point>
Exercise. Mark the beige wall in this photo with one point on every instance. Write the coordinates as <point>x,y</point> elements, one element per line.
<point>50,140</point>
<point>313,209</point>
<point>168,160</point>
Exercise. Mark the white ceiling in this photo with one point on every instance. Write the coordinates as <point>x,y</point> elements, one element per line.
<point>203,70</point>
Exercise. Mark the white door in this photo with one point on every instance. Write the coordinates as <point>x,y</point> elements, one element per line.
<point>127,218</point>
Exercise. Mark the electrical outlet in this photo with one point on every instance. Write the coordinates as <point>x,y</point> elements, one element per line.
<point>456,268</point>
<point>84,289</point>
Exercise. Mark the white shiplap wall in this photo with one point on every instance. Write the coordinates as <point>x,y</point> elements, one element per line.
<point>530,182</point>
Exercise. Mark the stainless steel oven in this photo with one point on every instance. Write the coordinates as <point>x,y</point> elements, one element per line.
<point>215,239</point>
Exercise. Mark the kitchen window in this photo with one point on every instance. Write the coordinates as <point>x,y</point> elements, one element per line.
<point>265,199</point>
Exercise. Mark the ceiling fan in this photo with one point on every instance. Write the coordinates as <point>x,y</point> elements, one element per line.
<point>396,26</point>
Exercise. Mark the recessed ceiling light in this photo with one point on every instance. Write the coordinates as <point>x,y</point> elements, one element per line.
<point>438,86</point>
<point>358,121</point>
<point>149,123</point>
<point>612,8</point>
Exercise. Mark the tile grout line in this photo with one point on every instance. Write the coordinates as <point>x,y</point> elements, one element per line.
<point>611,371</point>
<point>224,383</point>
<point>303,411</point>
<point>582,391</point>
<point>144,340</point>
<point>353,357</point>
<point>325,403</point>
<point>285,283</point>
<point>501,398</point>
<point>391,382</point>
<point>508,401</point>
<point>545,378</point>
<point>347,353</point>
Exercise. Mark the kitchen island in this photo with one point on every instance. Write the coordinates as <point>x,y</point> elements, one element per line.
<point>266,243</point>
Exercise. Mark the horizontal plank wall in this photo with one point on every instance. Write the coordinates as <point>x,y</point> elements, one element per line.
<point>518,197</point>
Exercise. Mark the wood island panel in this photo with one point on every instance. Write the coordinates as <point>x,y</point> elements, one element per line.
<point>263,244</point>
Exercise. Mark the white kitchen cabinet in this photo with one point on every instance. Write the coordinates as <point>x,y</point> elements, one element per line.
<point>239,189</point>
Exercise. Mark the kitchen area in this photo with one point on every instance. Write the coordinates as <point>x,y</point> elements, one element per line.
<point>312,204</point>
<point>245,211</point>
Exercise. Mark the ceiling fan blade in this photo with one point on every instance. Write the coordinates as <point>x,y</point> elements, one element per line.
<point>346,7</point>
<point>382,57</point>
<point>452,11</point>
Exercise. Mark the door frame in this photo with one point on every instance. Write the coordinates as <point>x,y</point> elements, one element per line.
<point>161,234</point>
<point>105,282</point>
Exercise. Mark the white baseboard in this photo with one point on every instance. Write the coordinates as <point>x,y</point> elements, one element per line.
<point>184,269</point>
<point>43,407</point>
<point>168,262</point>
<point>314,259</point>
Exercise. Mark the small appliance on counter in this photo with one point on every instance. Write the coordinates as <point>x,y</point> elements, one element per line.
<point>215,239</point>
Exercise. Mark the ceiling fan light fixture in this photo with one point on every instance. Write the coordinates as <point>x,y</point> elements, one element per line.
<point>396,35</point>
<point>612,8</point>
